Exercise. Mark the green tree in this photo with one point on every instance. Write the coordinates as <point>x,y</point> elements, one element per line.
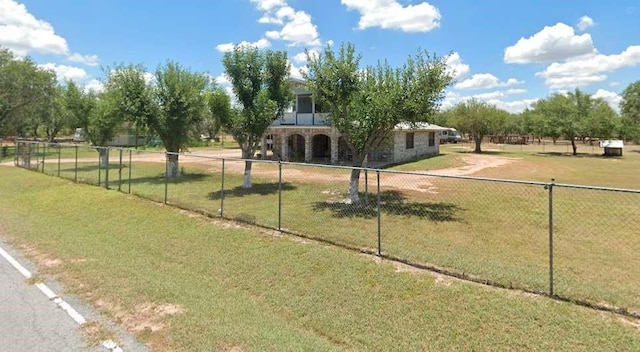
<point>630,110</point>
<point>478,119</point>
<point>127,86</point>
<point>219,110</point>
<point>562,117</point>
<point>24,88</point>
<point>179,95</point>
<point>96,115</point>
<point>260,81</point>
<point>366,104</point>
<point>601,121</point>
<point>54,115</point>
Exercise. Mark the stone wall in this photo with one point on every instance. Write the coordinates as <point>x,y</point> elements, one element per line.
<point>420,148</point>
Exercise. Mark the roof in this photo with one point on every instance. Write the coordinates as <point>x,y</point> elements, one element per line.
<point>420,126</point>
<point>615,143</point>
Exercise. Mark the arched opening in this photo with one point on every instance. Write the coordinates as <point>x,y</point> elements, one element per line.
<point>321,147</point>
<point>296,147</point>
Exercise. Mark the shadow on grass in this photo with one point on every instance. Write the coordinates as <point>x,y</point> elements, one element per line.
<point>580,155</point>
<point>89,168</point>
<point>262,189</point>
<point>392,203</point>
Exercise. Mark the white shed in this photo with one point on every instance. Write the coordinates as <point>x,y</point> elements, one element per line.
<point>612,147</point>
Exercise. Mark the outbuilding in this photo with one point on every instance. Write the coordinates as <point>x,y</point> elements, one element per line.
<point>612,147</point>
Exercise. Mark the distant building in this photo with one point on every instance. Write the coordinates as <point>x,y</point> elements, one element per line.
<point>305,134</point>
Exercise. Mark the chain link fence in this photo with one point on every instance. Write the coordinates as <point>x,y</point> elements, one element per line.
<point>574,242</point>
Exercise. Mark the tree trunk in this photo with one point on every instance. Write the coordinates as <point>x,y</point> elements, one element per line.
<point>574,146</point>
<point>354,180</point>
<point>354,183</point>
<point>104,157</point>
<point>246,183</point>
<point>173,168</point>
<point>554,140</point>
<point>478,140</point>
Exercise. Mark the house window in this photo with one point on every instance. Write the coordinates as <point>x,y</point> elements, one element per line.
<point>409,141</point>
<point>432,139</point>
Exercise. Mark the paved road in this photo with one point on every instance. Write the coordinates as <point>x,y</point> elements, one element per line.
<point>31,322</point>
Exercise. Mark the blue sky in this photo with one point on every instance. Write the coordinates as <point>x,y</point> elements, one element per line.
<point>508,53</point>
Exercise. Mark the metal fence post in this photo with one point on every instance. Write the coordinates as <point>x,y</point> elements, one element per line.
<point>279,196</point>
<point>120,172</point>
<point>99,166</point>
<point>44,155</point>
<point>549,187</point>
<point>379,217</point>
<point>75,175</point>
<point>129,190</point>
<point>366,186</point>
<point>59,151</point>
<point>222,192</point>
<point>106,170</point>
<point>166,177</point>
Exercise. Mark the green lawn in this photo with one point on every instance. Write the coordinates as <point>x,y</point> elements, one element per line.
<point>491,231</point>
<point>235,288</point>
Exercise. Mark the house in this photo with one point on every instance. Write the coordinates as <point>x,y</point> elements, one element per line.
<point>304,134</point>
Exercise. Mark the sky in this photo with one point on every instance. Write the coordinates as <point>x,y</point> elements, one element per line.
<point>507,53</point>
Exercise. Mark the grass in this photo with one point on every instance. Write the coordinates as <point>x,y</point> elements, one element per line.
<point>252,290</point>
<point>488,230</point>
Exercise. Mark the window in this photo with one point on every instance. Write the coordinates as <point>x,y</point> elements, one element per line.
<point>409,141</point>
<point>432,139</point>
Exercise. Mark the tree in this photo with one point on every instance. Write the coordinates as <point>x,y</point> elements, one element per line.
<point>54,115</point>
<point>576,114</point>
<point>366,104</point>
<point>630,110</point>
<point>478,119</point>
<point>602,121</point>
<point>260,81</point>
<point>179,95</point>
<point>133,95</point>
<point>219,110</point>
<point>24,88</point>
<point>95,115</point>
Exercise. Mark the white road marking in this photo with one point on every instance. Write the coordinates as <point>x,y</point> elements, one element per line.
<point>77,317</point>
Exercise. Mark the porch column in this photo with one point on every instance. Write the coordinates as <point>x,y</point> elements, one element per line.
<point>313,110</point>
<point>334,150</point>
<point>285,147</point>
<point>307,148</point>
<point>263,148</point>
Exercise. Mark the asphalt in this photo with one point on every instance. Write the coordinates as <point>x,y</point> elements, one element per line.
<point>32,322</point>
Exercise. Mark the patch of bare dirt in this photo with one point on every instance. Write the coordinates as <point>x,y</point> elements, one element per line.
<point>475,163</point>
<point>41,259</point>
<point>144,317</point>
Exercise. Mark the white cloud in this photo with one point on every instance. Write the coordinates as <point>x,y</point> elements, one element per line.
<point>89,60</point>
<point>297,27</point>
<point>585,22</point>
<point>268,5</point>
<point>390,14</point>
<point>558,42</point>
<point>485,81</point>
<point>588,69</point>
<point>64,72</point>
<point>260,44</point>
<point>222,79</point>
<point>456,68</point>
<point>301,57</point>
<point>614,84</point>
<point>495,98</point>
<point>94,85</point>
<point>21,32</point>
<point>612,98</point>
<point>296,72</point>
<point>514,107</point>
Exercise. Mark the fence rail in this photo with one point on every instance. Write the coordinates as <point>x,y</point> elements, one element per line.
<point>573,242</point>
